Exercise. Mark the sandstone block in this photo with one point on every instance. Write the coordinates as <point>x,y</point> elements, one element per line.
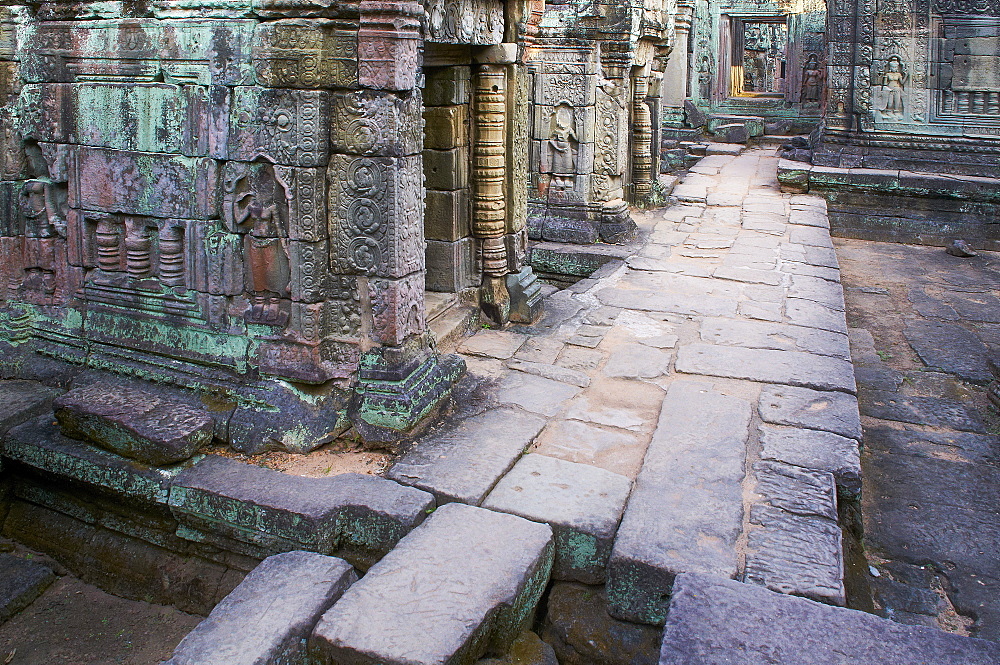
<point>467,581</point>
<point>686,510</point>
<point>21,581</point>
<point>446,215</point>
<point>356,516</point>
<point>581,503</point>
<point>304,53</point>
<point>445,127</point>
<point>269,616</point>
<point>133,423</point>
<point>802,407</point>
<point>713,619</point>
<point>446,169</point>
<point>21,401</point>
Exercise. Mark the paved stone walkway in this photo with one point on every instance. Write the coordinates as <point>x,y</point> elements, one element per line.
<point>923,325</point>
<point>710,371</point>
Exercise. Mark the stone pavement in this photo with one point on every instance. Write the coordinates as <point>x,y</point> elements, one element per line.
<point>923,326</point>
<point>710,370</point>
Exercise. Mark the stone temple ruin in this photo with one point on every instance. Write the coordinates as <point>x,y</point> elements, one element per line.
<point>225,227</point>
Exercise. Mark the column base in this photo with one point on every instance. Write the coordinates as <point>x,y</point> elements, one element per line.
<point>526,304</point>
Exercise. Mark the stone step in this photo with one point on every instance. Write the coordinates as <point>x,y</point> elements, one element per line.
<point>463,584</point>
<point>714,621</point>
<point>450,319</point>
<point>21,582</point>
<point>21,401</point>
<point>269,616</point>
<point>686,510</point>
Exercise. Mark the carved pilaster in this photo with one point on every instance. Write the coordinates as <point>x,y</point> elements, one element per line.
<point>489,174</point>
<point>389,44</point>
<point>642,137</point>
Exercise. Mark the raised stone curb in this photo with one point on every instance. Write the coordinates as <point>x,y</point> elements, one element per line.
<point>464,463</point>
<point>686,510</point>
<point>269,616</point>
<point>21,582</point>
<point>21,401</point>
<point>817,451</point>
<point>767,366</point>
<point>134,423</point>
<point>463,584</point>
<point>357,516</point>
<point>716,621</point>
<point>39,444</point>
<point>583,504</point>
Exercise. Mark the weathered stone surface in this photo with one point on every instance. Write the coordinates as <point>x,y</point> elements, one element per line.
<point>527,649</point>
<point>463,462</point>
<point>133,423</point>
<point>767,366</point>
<point>652,301</point>
<point>958,446</point>
<point>554,372</point>
<point>21,401</point>
<point>611,448</point>
<point>356,516</point>
<point>269,616</point>
<point>534,393</point>
<point>799,554</point>
<point>493,344</point>
<point>765,335</point>
<point>581,503</point>
<point>950,348</point>
<point>21,581</point>
<point>686,509</point>
<point>712,619</point>
<point>40,445</point>
<point>814,409</point>
<point>467,580</point>
<point>796,490</point>
<point>637,361</point>
<point>921,410</point>
<point>578,626</point>
<point>815,450</point>
<point>802,312</point>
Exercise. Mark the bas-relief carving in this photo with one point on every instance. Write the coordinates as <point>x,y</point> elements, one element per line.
<point>376,225</point>
<point>893,81</point>
<point>379,123</point>
<point>297,53</point>
<point>479,22</point>
<point>812,81</point>
<point>561,148</point>
<point>281,126</point>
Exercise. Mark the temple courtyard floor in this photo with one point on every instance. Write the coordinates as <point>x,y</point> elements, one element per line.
<point>743,397</point>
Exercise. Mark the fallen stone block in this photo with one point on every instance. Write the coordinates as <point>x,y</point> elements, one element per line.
<point>21,582</point>
<point>21,401</point>
<point>716,621</point>
<point>134,423</point>
<point>583,504</point>
<point>686,509</point>
<point>355,516</point>
<point>463,584</point>
<point>269,616</point>
<point>464,463</point>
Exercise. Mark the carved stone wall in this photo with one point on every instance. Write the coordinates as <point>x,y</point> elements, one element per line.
<point>226,197</point>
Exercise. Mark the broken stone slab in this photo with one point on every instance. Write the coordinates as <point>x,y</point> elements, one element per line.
<point>921,411</point>
<point>809,313</point>
<point>467,582</point>
<point>21,401</point>
<point>716,621</point>
<point>686,509</point>
<point>781,336</point>
<point>950,348</point>
<point>462,463</point>
<point>40,445</point>
<point>815,450</point>
<point>816,289</point>
<point>21,582</point>
<point>536,394</point>
<point>794,368</point>
<point>814,409</point>
<point>134,423</point>
<point>269,616</point>
<point>795,554</point>
<point>356,516</point>
<point>549,371</point>
<point>583,504</point>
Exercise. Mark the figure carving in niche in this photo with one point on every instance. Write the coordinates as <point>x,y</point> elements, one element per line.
<point>40,230</point>
<point>812,80</point>
<point>260,208</point>
<point>563,147</point>
<point>894,83</point>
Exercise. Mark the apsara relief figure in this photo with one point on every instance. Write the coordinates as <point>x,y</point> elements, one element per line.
<point>894,81</point>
